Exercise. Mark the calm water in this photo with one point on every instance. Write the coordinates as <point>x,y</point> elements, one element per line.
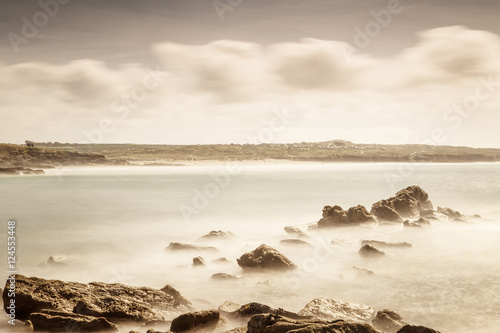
<point>112,225</point>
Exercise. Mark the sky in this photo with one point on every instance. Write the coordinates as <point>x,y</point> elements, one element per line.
<point>250,71</point>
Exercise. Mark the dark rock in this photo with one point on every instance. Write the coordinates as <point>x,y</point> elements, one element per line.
<point>269,323</point>
<point>179,301</point>
<point>199,261</point>
<point>359,214</point>
<point>388,321</point>
<point>224,277</point>
<point>416,329</point>
<point>58,321</point>
<point>329,309</point>
<point>217,235</point>
<point>452,214</point>
<point>221,261</point>
<point>335,216</point>
<point>52,262</point>
<point>423,222</point>
<point>380,244</point>
<point>408,202</point>
<point>370,251</point>
<point>112,301</point>
<point>242,329</point>
<point>205,321</point>
<point>251,309</point>
<point>265,257</point>
<point>294,242</point>
<point>411,225</point>
<point>363,271</point>
<point>294,231</point>
<point>188,247</point>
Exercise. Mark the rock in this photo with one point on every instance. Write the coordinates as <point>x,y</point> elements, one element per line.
<point>411,225</point>
<point>335,216</point>
<point>205,321</point>
<point>199,262</point>
<point>179,301</point>
<point>269,323</point>
<point>452,214</point>
<point>58,321</point>
<point>388,321</point>
<point>217,235</point>
<point>188,247</point>
<point>294,242</point>
<point>265,257</point>
<point>221,261</point>
<point>242,329</point>
<point>423,222</point>
<point>416,329</point>
<point>370,251</point>
<point>363,271</point>
<point>52,262</point>
<point>329,309</point>
<point>408,202</point>
<point>111,301</point>
<point>294,231</point>
<point>340,242</point>
<point>28,326</point>
<point>224,277</point>
<point>381,244</point>
<point>228,307</point>
<point>251,309</point>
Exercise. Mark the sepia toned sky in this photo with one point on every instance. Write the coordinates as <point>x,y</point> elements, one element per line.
<point>203,71</point>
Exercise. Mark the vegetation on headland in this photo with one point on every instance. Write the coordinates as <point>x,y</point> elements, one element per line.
<point>48,154</point>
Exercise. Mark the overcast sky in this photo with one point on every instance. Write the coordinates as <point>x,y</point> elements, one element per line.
<point>199,71</point>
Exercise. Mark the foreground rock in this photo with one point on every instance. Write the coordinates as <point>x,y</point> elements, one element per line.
<point>416,329</point>
<point>369,251</point>
<point>111,301</point>
<point>269,323</point>
<point>205,321</point>
<point>265,258</point>
<point>336,217</point>
<point>57,321</point>
<point>388,321</point>
<point>188,247</point>
<point>329,309</point>
<point>407,203</point>
<point>381,244</point>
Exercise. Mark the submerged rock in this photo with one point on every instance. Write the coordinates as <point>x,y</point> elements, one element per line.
<point>452,214</point>
<point>267,258</point>
<point>180,301</point>
<point>53,262</point>
<point>335,216</point>
<point>382,244</point>
<point>199,262</point>
<point>224,277</point>
<point>407,203</point>
<point>111,301</point>
<point>222,260</point>
<point>58,321</point>
<point>294,242</point>
<point>370,251</point>
<point>188,247</point>
<point>388,321</point>
<point>363,271</point>
<point>217,235</point>
<point>269,323</point>
<point>329,309</point>
<point>294,231</point>
<point>205,321</point>
<point>248,310</point>
<point>416,329</point>
<point>411,225</point>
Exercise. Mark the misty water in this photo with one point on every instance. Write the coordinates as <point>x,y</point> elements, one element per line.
<point>113,224</point>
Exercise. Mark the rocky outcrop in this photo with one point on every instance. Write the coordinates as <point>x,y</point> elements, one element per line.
<point>369,251</point>
<point>111,301</point>
<point>388,321</point>
<point>217,235</point>
<point>199,262</point>
<point>58,321</point>
<point>335,216</point>
<point>294,242</point>
<point>269,323</point>
<point>265,258</point>
<point>180,302</point>
<point>381,244</point>
<point>416,329</point>
<point>173,246</point>
<point>407,203</point>
<point>204,321</point>
<point>329,309</point>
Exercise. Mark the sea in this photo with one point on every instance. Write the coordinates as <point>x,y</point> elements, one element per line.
<point>113,224</point>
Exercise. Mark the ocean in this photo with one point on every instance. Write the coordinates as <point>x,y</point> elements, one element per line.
<point>112,224</point>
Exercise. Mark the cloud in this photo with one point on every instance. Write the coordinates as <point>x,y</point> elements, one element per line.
<point>235,85</point>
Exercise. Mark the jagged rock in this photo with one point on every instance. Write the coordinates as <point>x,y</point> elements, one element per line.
<point>224,277</point>
<point>408,202</point>
<point>423,222</point>
<point>217,235</point>
<point>370,251</point>
<point>411,225</point>
<point>265,257</point>
<point>179,300</point>
<point>452,214</point>
<point>111,301</point>
<point>205,321</point>
<point>248,310</point>
<point>382,244</point>
<point>335,216</point>
<point>294,242</point>
<point>329,309</point>
<point>173,246</point>
<point>58,321</point>
<point>294,231</point>
<point>228,307</point>
<point>416,329</point>
<point>269,323</point>
<point>363,271</point>
<point>222,260</point>
<point>388,321</point>
<point>199,262</point>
